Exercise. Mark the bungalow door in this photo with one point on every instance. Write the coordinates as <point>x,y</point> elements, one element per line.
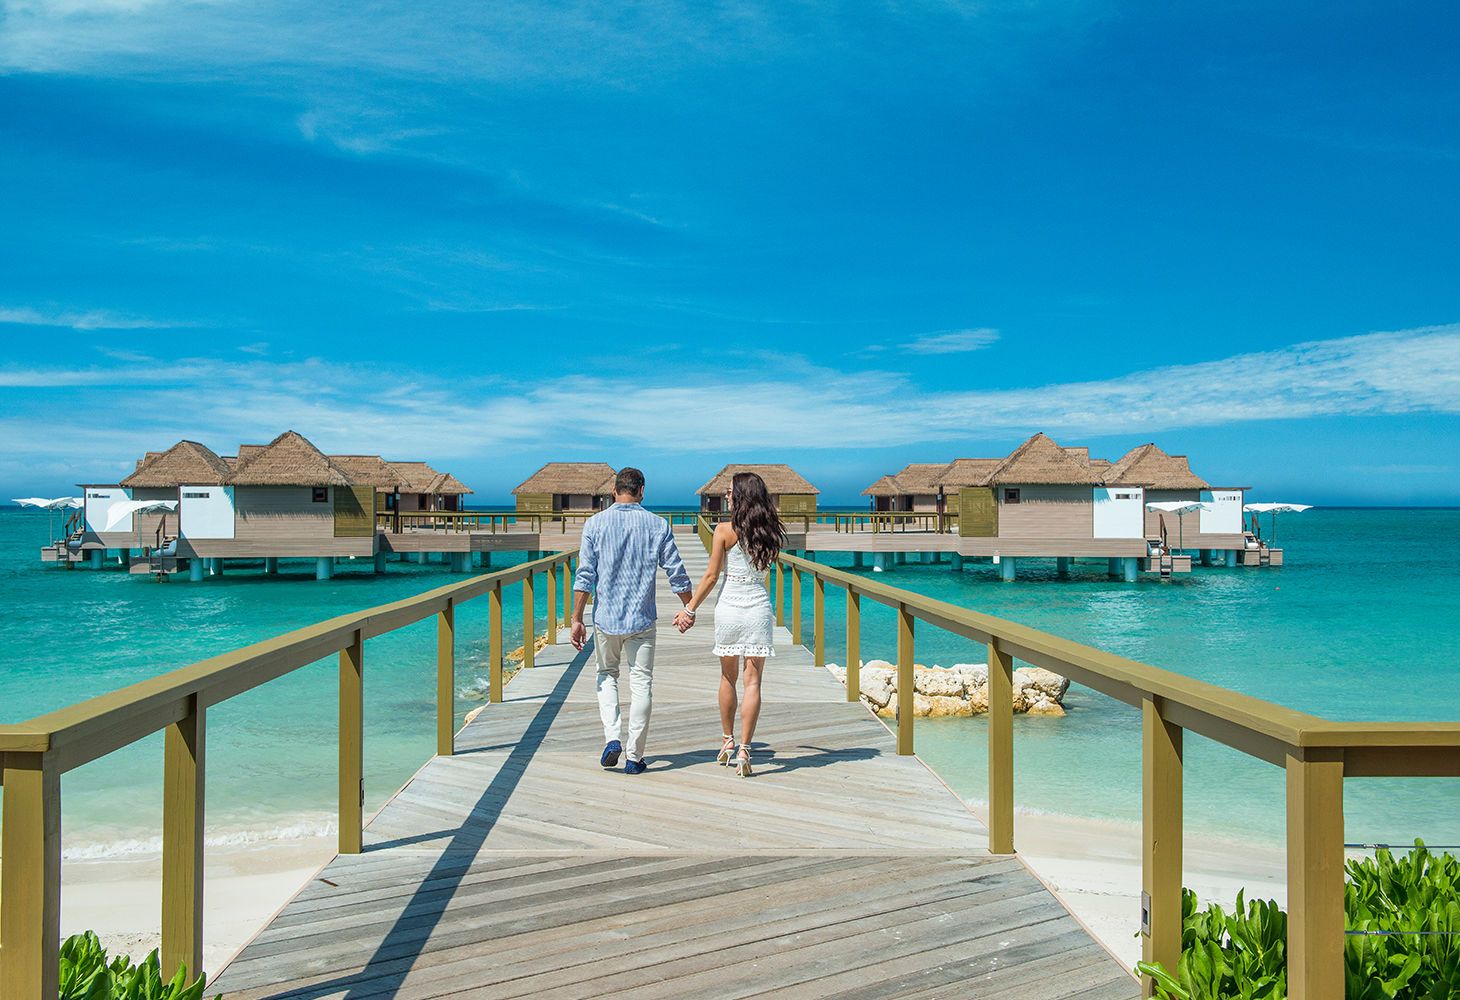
<point>978,512</point>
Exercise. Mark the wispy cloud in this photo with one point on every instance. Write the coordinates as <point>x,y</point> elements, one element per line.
<point>953,341</point>
<point>400,412</point>
<point>95,319</point>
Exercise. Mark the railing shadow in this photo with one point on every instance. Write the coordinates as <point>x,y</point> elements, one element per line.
<point>386,969</point>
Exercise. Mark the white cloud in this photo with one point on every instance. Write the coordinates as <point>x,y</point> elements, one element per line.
<point>96,319</point>
<point>953,341</point>
<point>765,406</point>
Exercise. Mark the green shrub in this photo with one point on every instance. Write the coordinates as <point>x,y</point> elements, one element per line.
<point>1243,955</point>
<point>86,974</point>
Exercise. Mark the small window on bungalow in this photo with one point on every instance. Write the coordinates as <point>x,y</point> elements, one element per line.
<point>321,494</point>
<point>1011,495</point>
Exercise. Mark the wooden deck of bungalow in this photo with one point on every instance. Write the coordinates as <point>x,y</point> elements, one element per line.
<point>517,867</point>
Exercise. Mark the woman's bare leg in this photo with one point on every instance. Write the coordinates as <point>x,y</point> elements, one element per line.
<point>729,669</point>
<point>750,702</point>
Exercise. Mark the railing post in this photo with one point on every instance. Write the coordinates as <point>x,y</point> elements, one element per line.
<point>1161,825</point>
<point>1315,876</point>
<point>183,775</point>
<point>818,619</point>
<point>906,680</point>
<point>494,645</point>
<point>780,595</point>
<point>567,591</point>
<point>1001,750</point>
<point>796,606</point>
<point>529,623</point>
<point>30,879</point>
<point>352,744</point>
<point>854,645</point>
<point>552,604</point>
<point>446,680</point>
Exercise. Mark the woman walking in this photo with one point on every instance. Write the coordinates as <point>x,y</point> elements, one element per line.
<point>743,548</point>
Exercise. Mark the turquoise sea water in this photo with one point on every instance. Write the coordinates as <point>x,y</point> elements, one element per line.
<point>67,635</point>
<point>1363,623</point>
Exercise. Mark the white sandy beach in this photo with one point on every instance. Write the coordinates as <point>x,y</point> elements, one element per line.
<point>120,899</point>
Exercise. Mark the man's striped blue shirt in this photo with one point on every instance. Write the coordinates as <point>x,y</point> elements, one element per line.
<point>622,548</point>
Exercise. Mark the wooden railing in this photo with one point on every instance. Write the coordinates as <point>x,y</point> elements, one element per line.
<point>842,521</point>
<point>495,521</point>
<point>1317,755</point>
<point>34,755</point>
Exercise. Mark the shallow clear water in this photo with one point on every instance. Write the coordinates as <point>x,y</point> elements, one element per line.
<point>68,635</point>
<point>1363,623</point>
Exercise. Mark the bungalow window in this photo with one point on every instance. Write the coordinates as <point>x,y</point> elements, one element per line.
<point>321,494</point>
<point>1011,495</point>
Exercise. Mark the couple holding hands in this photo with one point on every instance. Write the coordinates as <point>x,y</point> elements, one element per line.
<point>624,547</point>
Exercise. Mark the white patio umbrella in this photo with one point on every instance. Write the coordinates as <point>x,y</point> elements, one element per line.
<point>1180,508</point>
<point>123,509</point>
<point>1275,509</point>
<point>51,505</point>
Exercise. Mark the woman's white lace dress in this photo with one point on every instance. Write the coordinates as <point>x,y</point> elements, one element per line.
<point>744,619</point>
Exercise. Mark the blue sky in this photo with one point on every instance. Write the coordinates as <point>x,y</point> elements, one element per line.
<point>845,236</point>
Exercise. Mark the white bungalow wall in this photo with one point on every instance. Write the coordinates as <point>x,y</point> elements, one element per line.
<point>99,500</point>
<point>1120,512</point>
<point>206,511</point>
<point>1224,516</point>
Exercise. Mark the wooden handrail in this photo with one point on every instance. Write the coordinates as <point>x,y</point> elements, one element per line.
<point>34,754</point>
<point>1316,754</point>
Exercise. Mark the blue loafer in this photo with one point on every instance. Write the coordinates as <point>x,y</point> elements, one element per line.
<point>635,766</point>
<point>611,750</point>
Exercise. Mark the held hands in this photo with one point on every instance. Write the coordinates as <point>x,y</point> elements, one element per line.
<point>578,635</point>
<point>684,621</point>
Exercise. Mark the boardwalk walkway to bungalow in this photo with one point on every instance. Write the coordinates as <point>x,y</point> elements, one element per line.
<point>519,868</point>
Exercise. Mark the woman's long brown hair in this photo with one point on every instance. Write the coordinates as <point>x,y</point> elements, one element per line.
<point>755,520</point>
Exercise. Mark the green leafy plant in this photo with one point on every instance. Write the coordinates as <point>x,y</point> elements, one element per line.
<point>1406,910</point>
<point>88,974</point>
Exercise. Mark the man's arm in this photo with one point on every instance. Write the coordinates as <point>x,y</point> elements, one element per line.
<point>583,583</point>
<point>673,565</point>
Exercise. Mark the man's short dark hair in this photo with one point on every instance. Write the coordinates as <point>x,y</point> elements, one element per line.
<point>629,480</point>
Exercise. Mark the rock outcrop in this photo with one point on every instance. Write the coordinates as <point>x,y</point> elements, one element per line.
<point>962,689</point>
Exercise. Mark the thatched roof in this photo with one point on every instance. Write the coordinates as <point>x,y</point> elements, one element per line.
<point>887,486</point>
<point>186,463</point>
<point>288,460</point>
<point>1039,461</point>
<point>446,484</point>
<point>921,477</point>
<point>967,472</point>
<point>413,477</point>
<point>1149,466</point>
<point>592,478</point>
<point>367,470</point>
<point>778,479</point>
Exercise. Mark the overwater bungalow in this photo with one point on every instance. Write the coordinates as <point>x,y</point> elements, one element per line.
<point>887,494</point>
<point>791,492</point>
<point>916,487</point>
<point>566,487</point>
<point>290,499</point>
<point>1165,477</point>
<point>1040,491</point>
<point>418,487</point>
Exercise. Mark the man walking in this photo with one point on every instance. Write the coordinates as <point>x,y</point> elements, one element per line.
<point>621,551</point>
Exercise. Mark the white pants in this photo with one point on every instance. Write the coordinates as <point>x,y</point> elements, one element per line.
<point>609,651</point>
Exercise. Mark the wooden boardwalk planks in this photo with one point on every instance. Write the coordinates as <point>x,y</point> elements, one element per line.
<point>519,868</point>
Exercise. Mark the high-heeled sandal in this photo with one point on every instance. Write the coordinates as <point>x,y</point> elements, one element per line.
<point>726,750</point>
<point>742,761</point>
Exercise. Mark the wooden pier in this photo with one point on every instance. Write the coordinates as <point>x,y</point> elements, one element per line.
<point>513,866</point>
<point>518,867</point>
